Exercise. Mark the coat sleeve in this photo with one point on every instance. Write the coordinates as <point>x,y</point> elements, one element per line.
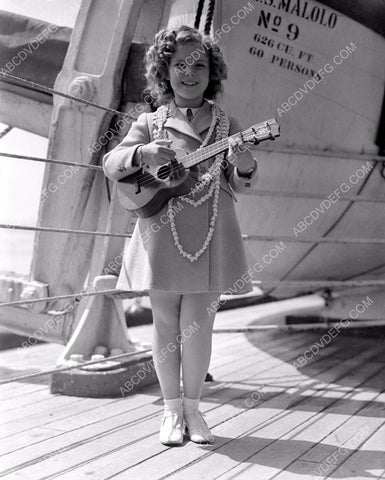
<point>117,163</point>
<point>239,184</point>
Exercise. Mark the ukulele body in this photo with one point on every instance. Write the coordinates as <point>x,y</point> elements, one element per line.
<point>145,194</point>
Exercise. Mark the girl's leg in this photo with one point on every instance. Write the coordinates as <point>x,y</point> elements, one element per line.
<point>166,353</point>
<point>165,345</point>
<point>196,326</point>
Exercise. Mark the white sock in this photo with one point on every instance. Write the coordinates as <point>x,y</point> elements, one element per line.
<point>190,404</point>
<point>173,405</point>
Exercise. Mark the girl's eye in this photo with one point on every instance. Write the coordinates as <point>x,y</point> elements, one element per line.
<point>200,65</point>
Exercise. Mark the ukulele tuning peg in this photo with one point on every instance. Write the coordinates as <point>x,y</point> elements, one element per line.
<point>255,141</point>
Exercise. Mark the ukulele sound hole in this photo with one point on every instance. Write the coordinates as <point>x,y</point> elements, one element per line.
<point>164,172</point>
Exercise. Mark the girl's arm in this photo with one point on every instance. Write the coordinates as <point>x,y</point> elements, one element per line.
<point>241,169</point>
<point>120,161</point>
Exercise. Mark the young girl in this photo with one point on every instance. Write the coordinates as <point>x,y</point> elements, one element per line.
<point>192,250</point>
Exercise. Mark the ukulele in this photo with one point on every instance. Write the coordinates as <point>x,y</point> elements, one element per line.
<point>145,192</point>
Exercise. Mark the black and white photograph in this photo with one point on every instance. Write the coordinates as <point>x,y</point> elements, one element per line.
<point>192,239</point>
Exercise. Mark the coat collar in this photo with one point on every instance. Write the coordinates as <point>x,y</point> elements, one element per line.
<point>200,123</point>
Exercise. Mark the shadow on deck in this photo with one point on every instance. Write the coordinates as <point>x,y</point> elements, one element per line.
<point>272,417</point>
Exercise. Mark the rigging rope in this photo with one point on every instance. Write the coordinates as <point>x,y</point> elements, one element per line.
<point>51,160</point>
<point>334,155</point>
<point>199,14</point>
<point>64,297</point>
<point>315,196</point>
<point>268,238</point>
<point>258,283</point>
<point>42,88</point>
<point>246,329</point>
<point>71,367</point>
<point>209,17</point>
<point>263,193</point>
<point>64,230</point>
<point>275,193</point>
<point>5,131</point>
<point>320,283</point>
<point>259,238</point>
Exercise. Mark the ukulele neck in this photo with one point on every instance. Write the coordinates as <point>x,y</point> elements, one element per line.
<point>203,154</point>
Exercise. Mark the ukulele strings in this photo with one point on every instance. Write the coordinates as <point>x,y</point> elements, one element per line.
<point>181,167</point>
<point>149,177</point>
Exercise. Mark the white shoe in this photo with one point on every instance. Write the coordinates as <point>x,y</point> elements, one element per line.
<point>197,428</point>
<point>171,429</point>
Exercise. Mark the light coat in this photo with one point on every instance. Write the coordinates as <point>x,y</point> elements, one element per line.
<point>151,260</point>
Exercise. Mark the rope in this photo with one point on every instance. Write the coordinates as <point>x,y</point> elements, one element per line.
<point>259,283</point>
<point>247,329</point>
<point>319,283</point>
<point>300,326</point>
<point>209,17</point>
<point>326,154</point>
<point>42,88</point>
<point>64,230</point>
<point>63,297</point>
<point>259,238</point>
<point>268,238</point>
<point>5,131</point>
<point>72,367</point>
<point>199,14</point>
<point>316,196</point>
<point>51,160</point>
<point>263,193</point>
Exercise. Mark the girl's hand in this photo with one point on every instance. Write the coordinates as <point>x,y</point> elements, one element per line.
<point>245,163</point>
<point>236,146</point>
<point>157,153</point>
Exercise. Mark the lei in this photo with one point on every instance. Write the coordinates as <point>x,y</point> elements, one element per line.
<point>220,124</point>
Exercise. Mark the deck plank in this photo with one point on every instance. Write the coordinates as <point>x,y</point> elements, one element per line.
<point>217,365</point>
<point>301,410</point>
<point>26,422</point>
<point>22,401</point>
<point>139,449</point>
<point>367,459</point>
<point>325,432</point>
<point>273,452</point>
<point>154,426</point>
<point>19,388</point>
<point>56,425</point>
<point>55,407</point>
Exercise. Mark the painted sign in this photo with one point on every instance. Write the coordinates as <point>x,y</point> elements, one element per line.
<point>318,72</point>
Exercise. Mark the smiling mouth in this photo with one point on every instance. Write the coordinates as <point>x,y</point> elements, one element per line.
<point>190,84</point>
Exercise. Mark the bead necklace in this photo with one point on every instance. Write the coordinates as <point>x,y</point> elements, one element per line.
<point>215,169</point>
<point>160,118</point>
<point>212,176</point>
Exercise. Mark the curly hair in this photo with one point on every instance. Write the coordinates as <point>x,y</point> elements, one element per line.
<point>158,58</point>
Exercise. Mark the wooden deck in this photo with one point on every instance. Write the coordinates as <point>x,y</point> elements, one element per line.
<point>270,419</point>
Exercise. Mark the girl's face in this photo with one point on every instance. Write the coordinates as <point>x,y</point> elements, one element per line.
<point>189,75</point>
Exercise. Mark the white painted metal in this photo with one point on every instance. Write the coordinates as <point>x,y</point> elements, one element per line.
<point>25,113</point>
<point>273,49</point>
<point>276,312</point>
<point>95,56</point>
